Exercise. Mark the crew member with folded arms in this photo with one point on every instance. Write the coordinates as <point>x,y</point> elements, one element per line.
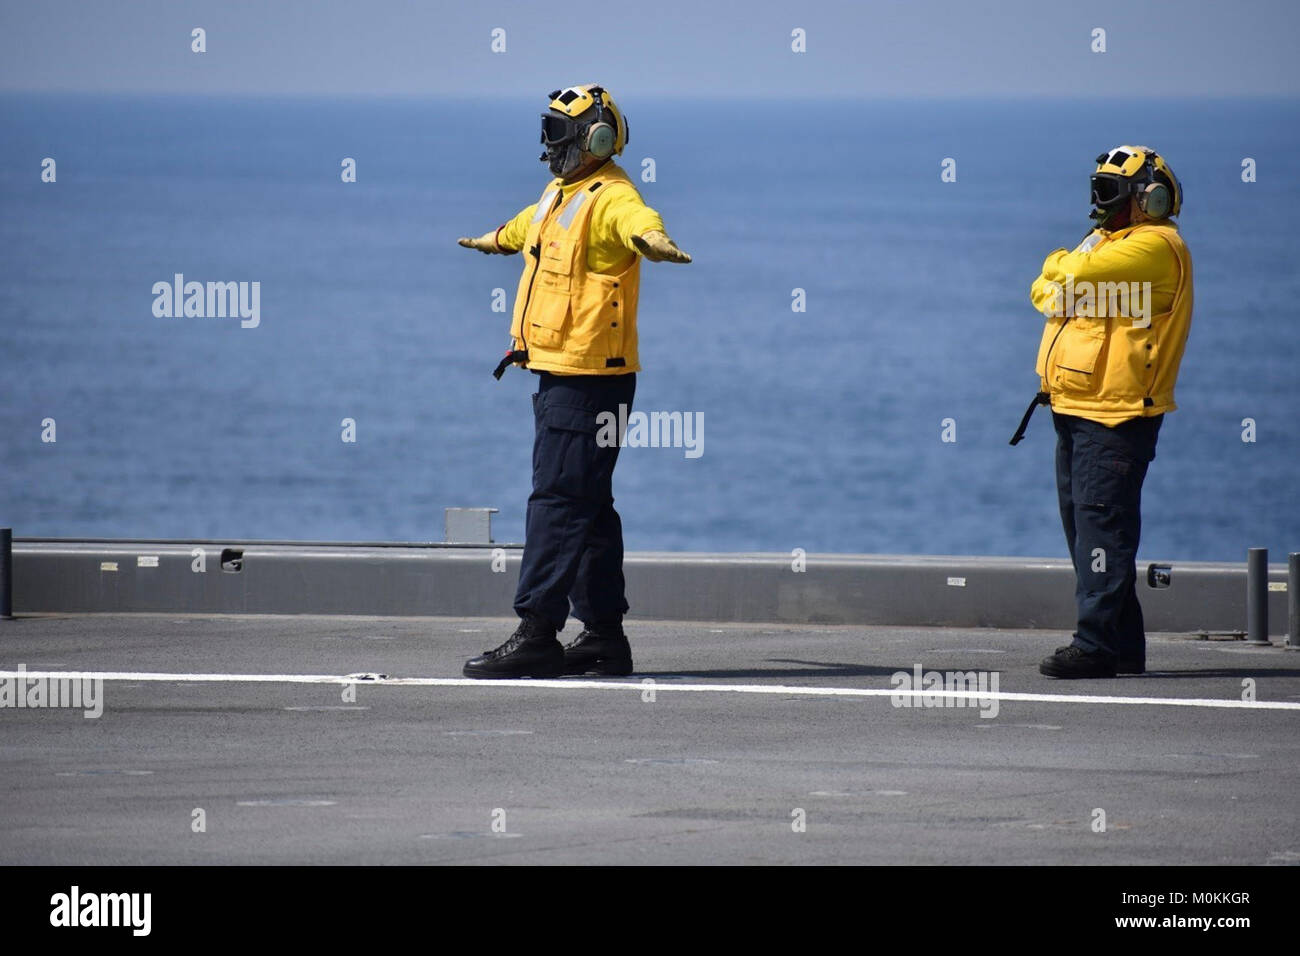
<point>1118,311</point>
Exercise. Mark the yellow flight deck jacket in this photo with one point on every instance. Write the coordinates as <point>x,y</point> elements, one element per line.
<point>1118,311</point>
<point>575,311</point>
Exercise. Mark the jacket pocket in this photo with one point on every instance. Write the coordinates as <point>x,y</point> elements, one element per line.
<point>548,313</point>
<point>549,306</point>
<point>1078,354</point>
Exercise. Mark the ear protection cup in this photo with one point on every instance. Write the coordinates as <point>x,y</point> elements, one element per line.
<point>1155,200</point>
<point>600,140</point>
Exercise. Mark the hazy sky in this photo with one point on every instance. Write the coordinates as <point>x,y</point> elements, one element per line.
<point>654,47</point>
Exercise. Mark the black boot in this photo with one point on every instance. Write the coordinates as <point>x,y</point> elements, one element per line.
<point>531,651</point>
<point>1123,665</point>
<point>599,649</point>
<point>1071,662</point>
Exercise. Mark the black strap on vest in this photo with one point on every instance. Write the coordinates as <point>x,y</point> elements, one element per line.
<point>511,358</point>
<point>1042,398</point>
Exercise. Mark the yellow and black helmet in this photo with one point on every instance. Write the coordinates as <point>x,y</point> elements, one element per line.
<point>1140,172</point>
<point>581,119</point>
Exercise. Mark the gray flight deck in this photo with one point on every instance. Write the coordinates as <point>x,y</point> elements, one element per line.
<point>291,772</point>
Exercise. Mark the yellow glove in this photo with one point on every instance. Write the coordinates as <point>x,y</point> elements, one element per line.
<point>657,247</point>
<point>486,243</point>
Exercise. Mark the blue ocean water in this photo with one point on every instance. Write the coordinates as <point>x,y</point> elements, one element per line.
<point>822,429</point>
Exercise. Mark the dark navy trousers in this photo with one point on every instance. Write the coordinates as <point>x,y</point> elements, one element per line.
<point>1099,476</point>
<point>573,549</point>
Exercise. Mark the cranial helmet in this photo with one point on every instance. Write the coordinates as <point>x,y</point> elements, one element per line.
<point>1134,171</point>
<point>582,122</point>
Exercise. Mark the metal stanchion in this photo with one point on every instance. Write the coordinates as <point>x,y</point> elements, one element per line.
<point>1257,596</point>
<point>1293,601</point>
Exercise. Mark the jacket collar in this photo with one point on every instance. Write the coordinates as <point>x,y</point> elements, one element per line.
<point>609,170</point>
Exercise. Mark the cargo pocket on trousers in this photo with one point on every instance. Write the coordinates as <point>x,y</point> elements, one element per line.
<point>573,465</point>
<point>1109,481</point>
<point>569,418</point>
